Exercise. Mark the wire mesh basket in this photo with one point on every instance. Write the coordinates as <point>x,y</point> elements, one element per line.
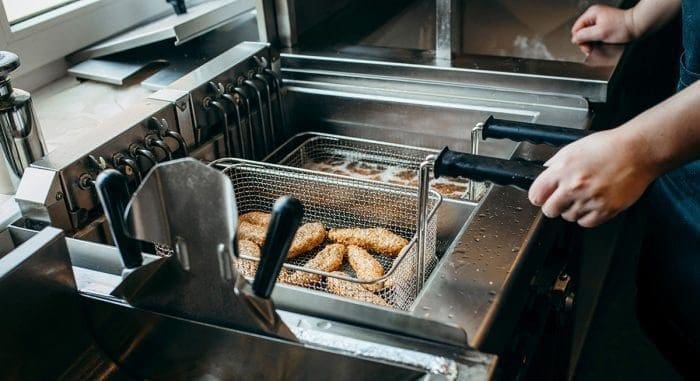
<point>367,159</point>
<point>342,202</point>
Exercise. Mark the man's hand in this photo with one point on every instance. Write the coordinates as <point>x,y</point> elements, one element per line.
<point>592,180</point>
<point>601,23</point>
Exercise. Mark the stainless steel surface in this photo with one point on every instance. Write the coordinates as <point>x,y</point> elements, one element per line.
<point>494,259</point>
<point>327,351</point>
<point>477,292</point>
<point>500,43</point>
<point>39,301</point>
<point>73,165</point>
<point>497,73</point>
<point>107,71</point>
<point>448,28</point>
<point>198,20</point>
<point>199,281</point>
<point>21,141</point>
<point>169,62</point>
<point>341,202</point>
<point>94,328</point>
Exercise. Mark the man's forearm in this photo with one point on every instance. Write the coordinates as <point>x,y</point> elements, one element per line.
<point>667,135</point>
<point>650,15</point>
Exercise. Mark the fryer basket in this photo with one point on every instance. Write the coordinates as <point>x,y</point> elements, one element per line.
<point>343,202</point>
<point>367,159</point>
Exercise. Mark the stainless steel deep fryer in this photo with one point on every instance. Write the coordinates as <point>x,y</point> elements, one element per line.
<point>343,202</point>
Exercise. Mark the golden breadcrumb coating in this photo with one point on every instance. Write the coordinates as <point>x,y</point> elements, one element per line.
<point>308,237</point>
<point>253,233</point>
<point>352,290</point>
<point>329,259</point>
<point>248,267</point>
<point>378,240</point>
<point>255,218</point>
<point>366,267</point>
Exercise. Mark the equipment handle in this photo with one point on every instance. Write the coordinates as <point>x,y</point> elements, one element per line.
<point>482,168</point>
<point>113,192</point>
<point>530,132</point>
<point>284,222</point>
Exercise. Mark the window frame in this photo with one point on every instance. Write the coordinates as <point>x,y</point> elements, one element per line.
<point>51,36</point>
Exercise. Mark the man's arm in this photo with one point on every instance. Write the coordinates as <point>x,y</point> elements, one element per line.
<point>601,23</point>
<point>595,178</point>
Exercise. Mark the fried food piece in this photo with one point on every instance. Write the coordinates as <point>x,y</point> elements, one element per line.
<point>352,290</point>
<point>308,237</point>
<point>449,189</point>
<point>244,266</point>
<point>366,267</point>
<point>329,259</point>
<point>251,232</point>
<point>407,175</point>
<point>255,218</point>
<point>248,267</point>
<point>379,240</point>
<point>365,169</point>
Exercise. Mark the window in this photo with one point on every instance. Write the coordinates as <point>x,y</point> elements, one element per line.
<point>44,31</point>
<point>20,10</point>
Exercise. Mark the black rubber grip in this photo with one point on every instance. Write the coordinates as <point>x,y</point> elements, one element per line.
<point>113,192</point>
<point>519,174</point>
<point>284,222</point>
<point>530,132</point>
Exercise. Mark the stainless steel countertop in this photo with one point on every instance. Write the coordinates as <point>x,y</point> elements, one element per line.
<point>524,43</point>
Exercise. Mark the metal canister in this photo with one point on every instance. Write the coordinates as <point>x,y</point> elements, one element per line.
<point>21,140</point>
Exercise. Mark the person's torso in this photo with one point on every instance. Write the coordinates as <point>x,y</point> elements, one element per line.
<point>690,61</point>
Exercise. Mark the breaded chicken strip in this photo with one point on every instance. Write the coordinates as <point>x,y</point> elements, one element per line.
<point>366,267</point>
<point>306,239</point>
<point>352,290</point>
<point>329,259</point>
<point>248,267</point>
<point>378,240</point>
<point>253,233</point>
<point>255,218</point>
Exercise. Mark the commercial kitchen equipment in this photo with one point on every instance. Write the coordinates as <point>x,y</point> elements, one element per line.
<point>21,141</point>
<point>501,279</point>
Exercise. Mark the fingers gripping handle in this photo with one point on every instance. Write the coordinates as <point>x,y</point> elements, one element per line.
<point>481,168</point>
<point>284,222</point>
<point>530,132</point>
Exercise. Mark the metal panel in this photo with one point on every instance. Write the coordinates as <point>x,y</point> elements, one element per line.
<point>42,313</point>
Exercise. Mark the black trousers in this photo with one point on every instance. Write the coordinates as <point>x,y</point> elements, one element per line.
<point>668,306</point>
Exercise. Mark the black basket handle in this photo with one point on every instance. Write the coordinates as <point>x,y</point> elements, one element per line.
<point>113,192</point>
<point>530,132</point>
<point>284,222</point>
<point>519,174</point>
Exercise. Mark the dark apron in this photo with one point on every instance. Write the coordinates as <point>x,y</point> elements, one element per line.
<point>670,265</point>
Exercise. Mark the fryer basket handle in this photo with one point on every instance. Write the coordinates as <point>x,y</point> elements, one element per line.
<point>113,192</point>
<point>482,168</point>
<point>530,132</point>
<point>286,216</point>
